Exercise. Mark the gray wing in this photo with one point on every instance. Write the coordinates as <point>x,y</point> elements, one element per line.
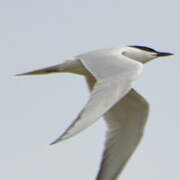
<point>114,77</point>
<point>125,121</point>
<point>103,97</point>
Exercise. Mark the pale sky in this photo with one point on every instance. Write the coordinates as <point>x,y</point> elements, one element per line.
<point>36,110</point>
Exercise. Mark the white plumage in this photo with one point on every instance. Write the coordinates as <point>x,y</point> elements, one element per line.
<point>110,75</point>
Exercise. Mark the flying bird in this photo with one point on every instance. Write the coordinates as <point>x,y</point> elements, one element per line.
<point>110,75</point>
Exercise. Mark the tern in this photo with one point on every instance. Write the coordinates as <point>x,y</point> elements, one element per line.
<point>110,75</point>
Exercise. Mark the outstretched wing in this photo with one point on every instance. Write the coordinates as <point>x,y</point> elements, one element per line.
<point>125,121</point>
<point>114,75</point>
<point>103,97</point>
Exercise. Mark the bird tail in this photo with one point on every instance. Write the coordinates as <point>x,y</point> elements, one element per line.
<point>70,66</point>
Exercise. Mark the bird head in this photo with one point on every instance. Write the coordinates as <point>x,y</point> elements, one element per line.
<point>142,54</point>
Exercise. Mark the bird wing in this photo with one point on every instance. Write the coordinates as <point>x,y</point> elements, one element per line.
<point>125,121</point>
<point>108,90</point>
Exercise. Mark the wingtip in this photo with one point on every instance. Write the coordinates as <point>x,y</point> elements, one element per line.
<point>56,141</point>
<point>52,143</point>
<point>22,74</point>
<point>28,73</point>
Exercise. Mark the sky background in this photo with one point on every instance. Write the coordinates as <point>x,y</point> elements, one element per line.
<point>36,110</point>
